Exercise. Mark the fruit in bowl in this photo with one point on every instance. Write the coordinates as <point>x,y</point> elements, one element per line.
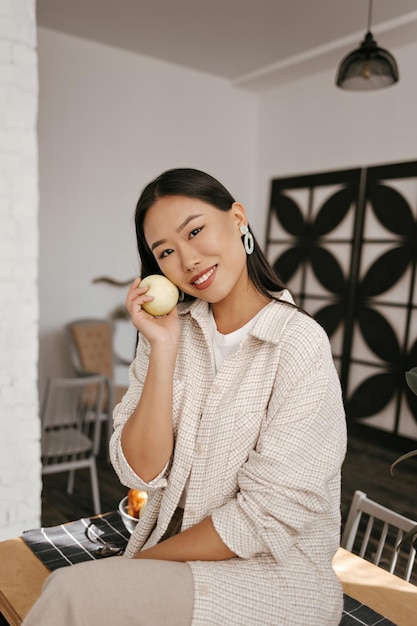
<point>132,507</point>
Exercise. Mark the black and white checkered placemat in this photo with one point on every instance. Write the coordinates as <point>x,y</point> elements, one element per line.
<point>68,544</point>
<point>71,543</point>
<point>355,613</point>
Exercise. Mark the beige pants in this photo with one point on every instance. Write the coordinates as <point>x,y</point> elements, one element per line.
<point>117,590</point>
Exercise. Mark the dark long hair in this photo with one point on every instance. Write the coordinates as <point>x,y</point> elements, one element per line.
<point>193,183</point>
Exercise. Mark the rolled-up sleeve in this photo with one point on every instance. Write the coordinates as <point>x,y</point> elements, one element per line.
<point>121,413</point>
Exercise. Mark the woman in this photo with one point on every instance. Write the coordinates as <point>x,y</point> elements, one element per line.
<point>233,423</point>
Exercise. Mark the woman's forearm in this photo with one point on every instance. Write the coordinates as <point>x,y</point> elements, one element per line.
<point>198,543</point>
<point>147,437</point>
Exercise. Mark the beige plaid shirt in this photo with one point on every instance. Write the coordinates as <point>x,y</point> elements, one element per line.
<point>262,443</point>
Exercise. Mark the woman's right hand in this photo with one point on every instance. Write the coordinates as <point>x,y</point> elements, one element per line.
<point>157,330</point>
<point>147,436</point>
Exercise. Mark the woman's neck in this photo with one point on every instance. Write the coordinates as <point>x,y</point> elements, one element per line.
<point>234,312</point>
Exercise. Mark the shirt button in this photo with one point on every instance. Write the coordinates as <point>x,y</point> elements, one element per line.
<point>192,510</point>
<point>203,589</point>
<point>216,388</point>
<point>199,449</point>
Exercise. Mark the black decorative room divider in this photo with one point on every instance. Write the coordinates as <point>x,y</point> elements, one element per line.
<point>345,243</point>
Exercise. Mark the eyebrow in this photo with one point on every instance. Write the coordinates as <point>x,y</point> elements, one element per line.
<point>178,230</point>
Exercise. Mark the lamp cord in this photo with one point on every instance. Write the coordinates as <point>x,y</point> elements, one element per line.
<point>369,15</point>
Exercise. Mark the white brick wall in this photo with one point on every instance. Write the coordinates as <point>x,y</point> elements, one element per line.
<point>20,469</point>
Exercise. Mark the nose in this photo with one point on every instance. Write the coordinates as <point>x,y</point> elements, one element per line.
<point>189,257</point>
<point>191,268</point>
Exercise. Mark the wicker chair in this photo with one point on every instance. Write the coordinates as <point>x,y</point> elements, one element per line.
<point>91,347</point>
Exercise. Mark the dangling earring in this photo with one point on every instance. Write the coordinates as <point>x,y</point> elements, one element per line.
<point>248,240</point>
<point>181,296</point>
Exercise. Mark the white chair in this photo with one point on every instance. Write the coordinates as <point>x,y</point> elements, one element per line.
<point>70,419</point>
<point>384,531</point>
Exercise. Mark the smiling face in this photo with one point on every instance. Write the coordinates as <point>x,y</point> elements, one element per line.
<point>198,247</point>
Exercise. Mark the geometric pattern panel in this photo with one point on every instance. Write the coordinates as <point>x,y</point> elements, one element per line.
<point>345,243</point>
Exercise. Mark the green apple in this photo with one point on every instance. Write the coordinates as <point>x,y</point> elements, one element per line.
<point>164,292</point>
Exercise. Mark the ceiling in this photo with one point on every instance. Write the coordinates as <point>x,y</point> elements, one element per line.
<point>253,43</point>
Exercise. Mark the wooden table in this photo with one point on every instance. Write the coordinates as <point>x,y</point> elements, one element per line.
<point>383,592</point>
<point>21,578</point>
<point>22,575</point>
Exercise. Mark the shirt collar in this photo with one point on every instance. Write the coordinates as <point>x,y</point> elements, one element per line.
<point>269,325</point>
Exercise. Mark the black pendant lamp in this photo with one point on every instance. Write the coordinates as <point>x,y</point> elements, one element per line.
<point>368,67</point>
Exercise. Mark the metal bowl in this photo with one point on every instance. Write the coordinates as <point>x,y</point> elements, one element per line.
<point>129,521</point>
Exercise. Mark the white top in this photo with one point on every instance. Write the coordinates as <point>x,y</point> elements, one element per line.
<point>225,345</point>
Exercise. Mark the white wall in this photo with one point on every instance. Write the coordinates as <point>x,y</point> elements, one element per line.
<point>109,122</point>
<point>311,126</point>
<point>20,479</point>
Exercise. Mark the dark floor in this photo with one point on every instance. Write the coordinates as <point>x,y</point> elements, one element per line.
<point>59,507</point>
<point>366,467</point>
